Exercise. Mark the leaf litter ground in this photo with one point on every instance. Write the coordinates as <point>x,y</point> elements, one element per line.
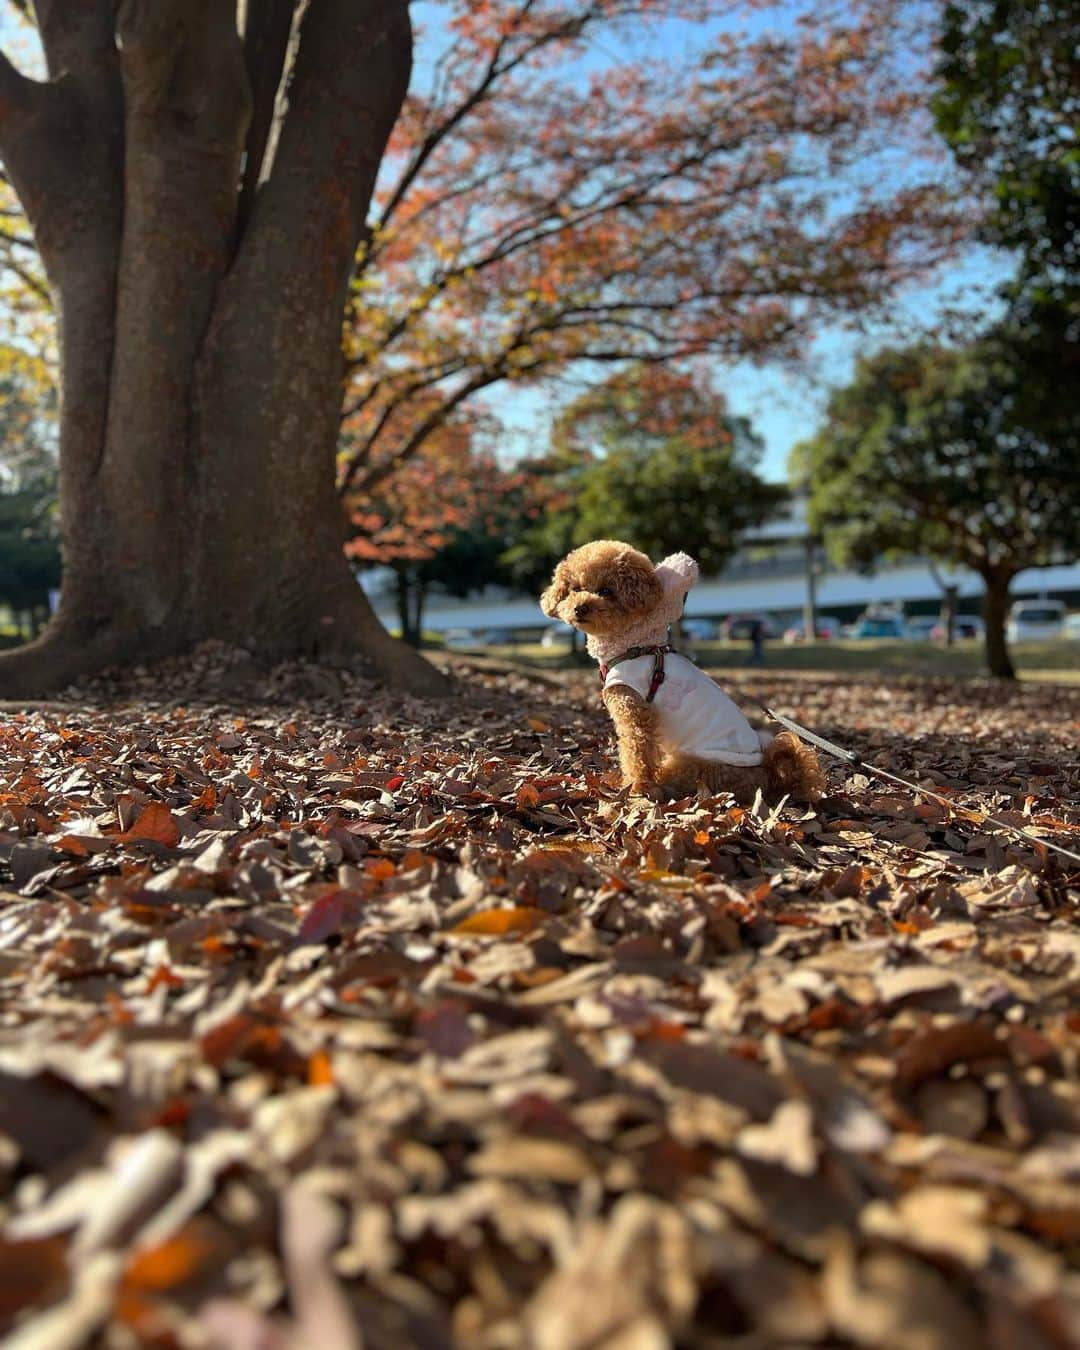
<point>335,1019</point>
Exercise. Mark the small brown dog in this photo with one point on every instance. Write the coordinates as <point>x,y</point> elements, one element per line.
<point>677,729</point>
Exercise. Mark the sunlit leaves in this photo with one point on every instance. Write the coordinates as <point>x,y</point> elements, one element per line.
<point>545,202</point>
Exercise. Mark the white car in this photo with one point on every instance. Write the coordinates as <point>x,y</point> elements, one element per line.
<point>1032,620</point>
<point>558,635</point>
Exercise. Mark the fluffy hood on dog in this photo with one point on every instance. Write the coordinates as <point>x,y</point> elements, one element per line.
<point>676,574</point>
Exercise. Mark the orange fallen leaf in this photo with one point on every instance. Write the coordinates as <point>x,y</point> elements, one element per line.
<point>496,922</point>
<point>171,1263</point>
<point>538,724</point>
<point>206,800</point>
<point>71,843</point>
<point>527,796</point>
<point>320,1071</point>
<point>155,822</point>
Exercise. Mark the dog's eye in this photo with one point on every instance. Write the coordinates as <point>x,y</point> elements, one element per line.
<point>605,592</point>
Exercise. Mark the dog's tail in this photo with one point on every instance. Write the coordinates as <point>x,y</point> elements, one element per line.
<point>793,768</point>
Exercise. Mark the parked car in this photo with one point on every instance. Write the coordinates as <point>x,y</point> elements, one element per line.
<point>826,627</point>
<point>737,627</point>
<point>964,626</point>
<point>885,626</point>
<point>495,637</point>
<point>458,638</point>
<point>1030,620</point>
<point>921,627</point>
<point>558,635</point>
<point>700,630</point>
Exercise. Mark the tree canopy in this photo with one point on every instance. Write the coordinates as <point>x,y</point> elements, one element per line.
<point>927,451</point>
<point>1008,103</point>
<point>655,457</point>
<point>543,204</point>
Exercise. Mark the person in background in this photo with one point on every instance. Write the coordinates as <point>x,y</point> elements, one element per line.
<point>757,643</point>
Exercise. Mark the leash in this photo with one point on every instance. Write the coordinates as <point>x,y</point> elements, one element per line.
<point>857,761</point>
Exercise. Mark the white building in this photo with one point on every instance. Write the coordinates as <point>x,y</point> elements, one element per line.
<point>768,574</point>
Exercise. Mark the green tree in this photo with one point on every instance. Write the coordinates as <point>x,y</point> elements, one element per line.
<point>29,538</point>
<point>927,451</point>
<point>29,551</point>
<point>671,467</point>
<point>1008,103</point>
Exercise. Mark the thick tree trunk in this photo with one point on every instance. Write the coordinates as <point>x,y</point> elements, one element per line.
<point>995,612</point>
<point>200,353</point>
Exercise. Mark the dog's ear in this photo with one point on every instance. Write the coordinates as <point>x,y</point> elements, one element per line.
<point>638,586</point>
<point>556,593</point>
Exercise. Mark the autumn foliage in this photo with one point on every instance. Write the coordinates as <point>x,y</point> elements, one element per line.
<point>557,191</point>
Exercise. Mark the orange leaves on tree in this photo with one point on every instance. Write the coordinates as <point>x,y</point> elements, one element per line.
<point>721,204</point>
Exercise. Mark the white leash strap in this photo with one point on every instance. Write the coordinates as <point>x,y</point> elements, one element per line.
<point>856,761</point>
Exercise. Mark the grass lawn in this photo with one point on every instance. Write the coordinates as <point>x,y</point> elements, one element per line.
<point>1056,661</point>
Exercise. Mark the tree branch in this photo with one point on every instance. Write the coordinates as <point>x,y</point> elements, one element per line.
<point>267,28</point>
<point>350,76</point>
<point>77,37</point>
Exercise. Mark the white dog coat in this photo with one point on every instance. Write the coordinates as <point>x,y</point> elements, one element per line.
<point>696,716</point>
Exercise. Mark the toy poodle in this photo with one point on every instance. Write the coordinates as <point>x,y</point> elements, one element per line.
<point>677,729</point>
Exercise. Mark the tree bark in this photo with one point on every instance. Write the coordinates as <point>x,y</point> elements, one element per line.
<point>200,356</point>
<point>419,600</point>
<point>995,612</point>
<point>810,599</point>
<point>948,614</point>
<point>404,610</point>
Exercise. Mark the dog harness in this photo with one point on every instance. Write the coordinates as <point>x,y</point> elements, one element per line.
<point>695,716</point>
<point>657,653</point>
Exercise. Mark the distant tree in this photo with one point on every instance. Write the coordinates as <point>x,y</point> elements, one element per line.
<point>542,531</point>
<point>29,537</point>
<point>29,552</point>
<point>440,523</point>
<point>927,451</point>
<point>671,467</point>
<point>1008,103</point>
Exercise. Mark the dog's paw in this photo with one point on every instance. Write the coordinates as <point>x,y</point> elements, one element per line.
<point>654,792</point>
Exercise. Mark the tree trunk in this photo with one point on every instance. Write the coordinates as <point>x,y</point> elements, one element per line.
<point>200,353</point>
<point>419,599</point>
<point>948,614</point>
<point>404,606</point>
<point>995,612</point>
<point>810,599</point>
